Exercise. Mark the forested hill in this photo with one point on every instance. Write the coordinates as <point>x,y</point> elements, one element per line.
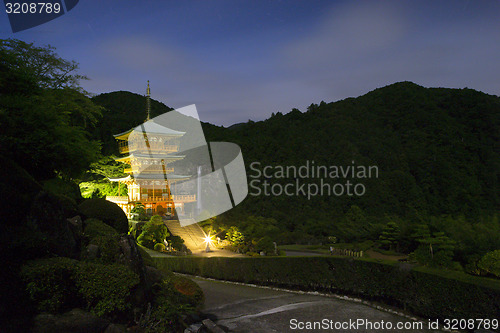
<point>122,111</point>
<point>437,150</point>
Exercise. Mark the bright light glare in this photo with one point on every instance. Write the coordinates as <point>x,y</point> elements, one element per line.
<point>209,240</point>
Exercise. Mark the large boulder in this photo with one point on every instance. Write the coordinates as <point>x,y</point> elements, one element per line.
<point>67,188</point>
<point>17,242</point>
<point>17,189</point>
<point>106,211</point>
<point>153,275</point>
<point>48,215</point>
<point>33,221</point>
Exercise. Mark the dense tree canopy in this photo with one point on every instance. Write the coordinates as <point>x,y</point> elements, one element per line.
<point>44,115</point>
<point>40,66</point>
<point>436,150</point>
<point>438,162</point>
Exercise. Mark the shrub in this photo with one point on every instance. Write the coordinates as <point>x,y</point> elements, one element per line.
<point>50,284</point>
<point>176,242</point>
<point>265,244</point>
<point>106,211</point>
<point>63,187</point>
<point>490,263</point>
<point>135,229</point>
<point>156,220</point>
<point>159,247</point>
<point>234,236</point>
<point>105,237</point>
<point>153,232</point>
<point>390,236</point>
<point>174,298</point>
<point>109,248</point>
<point>105,288</point>
<point>189,288</point>
<point>95,227</point>
<point>59,284</point>
<point>139,212</point>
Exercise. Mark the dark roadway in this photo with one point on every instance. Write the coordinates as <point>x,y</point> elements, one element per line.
<point>243,308</point>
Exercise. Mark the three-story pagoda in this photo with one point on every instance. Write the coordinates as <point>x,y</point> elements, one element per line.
<point>150,151</point>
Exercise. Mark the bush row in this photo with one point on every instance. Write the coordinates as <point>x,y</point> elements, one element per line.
<point>59,284</point>
<point>425,292</point>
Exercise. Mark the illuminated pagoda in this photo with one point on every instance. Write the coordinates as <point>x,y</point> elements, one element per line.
<point>150,150</point>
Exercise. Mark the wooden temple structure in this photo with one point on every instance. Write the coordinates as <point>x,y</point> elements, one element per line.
<point>149,150</point>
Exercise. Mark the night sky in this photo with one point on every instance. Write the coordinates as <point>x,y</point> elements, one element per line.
<point>240,60</point>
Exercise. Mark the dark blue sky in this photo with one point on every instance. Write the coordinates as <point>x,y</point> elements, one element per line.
<point>240,60</point>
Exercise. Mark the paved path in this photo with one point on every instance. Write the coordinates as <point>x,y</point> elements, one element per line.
<point>214,252</point>
<point>192,234</point>
<point>154,254</point>
<point>242,308</point>
<point>290,253</point>
<point>199,253</point>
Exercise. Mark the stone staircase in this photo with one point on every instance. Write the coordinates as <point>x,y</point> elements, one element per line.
<point>192,234</point>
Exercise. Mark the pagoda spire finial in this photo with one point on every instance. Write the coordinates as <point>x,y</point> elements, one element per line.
<point>148,102</point>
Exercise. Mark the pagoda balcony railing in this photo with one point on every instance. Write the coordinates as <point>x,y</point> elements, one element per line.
<point>184,198</point>
<point>124,147</point>
<point>120,199</point>
<point>148,169</point>
<point>178,198</point>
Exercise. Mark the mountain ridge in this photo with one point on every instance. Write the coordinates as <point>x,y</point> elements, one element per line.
<point>437,150</point>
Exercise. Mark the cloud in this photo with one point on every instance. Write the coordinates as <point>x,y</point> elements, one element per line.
<point>352,48</point>
<point>364,45</point>
<point>348,32</point>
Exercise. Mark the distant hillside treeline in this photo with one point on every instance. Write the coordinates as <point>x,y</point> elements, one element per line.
<point>123,110</point>
<point>437,151</point>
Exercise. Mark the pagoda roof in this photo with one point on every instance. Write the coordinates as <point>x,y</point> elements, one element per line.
<point>160,176</point>
<point>146,176</point>
<point>150,127</point>
<point>122,179</point>
<point>158,156</point>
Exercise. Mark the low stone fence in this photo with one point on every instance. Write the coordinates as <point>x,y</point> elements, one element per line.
<point>345,252</point>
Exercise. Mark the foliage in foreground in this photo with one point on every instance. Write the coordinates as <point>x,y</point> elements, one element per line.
<point>45,114</point>
<point>46,122</point>
<point>60,284</point>
<point>174,297</point>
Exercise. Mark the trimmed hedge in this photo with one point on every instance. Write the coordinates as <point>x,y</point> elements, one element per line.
<point>159,247</point>
<point>425,292</point>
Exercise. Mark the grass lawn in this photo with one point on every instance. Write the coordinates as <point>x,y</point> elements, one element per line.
<point>367,247</point>
<point>306,248</point>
